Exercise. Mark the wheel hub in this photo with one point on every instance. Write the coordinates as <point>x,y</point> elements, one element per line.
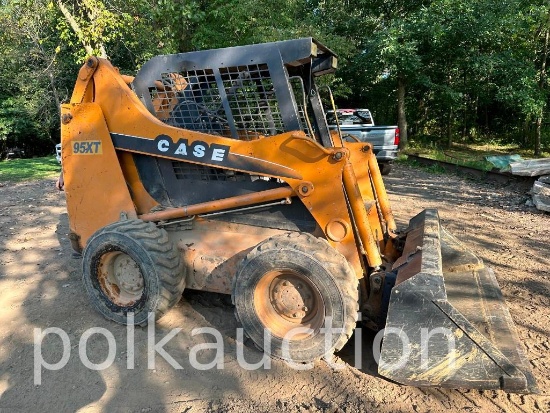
<point>292,298</point>
<point>120,278</point>
<point>287,299</point>
<point>127,274</point>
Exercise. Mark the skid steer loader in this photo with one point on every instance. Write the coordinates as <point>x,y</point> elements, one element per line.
<point>216,170</point>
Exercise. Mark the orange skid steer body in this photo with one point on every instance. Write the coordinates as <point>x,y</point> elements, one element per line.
<point>215,170</point>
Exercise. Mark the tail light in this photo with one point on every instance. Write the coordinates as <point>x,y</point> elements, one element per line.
<point>396,139</point>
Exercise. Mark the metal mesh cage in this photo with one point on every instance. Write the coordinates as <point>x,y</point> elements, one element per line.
<point>241,92</point>
<point>189,100</point>
<point>251,97</point>
<point>246,105</point>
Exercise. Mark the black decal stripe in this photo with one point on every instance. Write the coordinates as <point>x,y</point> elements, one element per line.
<point>134,143</point>
<point>230,160</point>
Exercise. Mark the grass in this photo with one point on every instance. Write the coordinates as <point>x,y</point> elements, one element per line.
<point>402,158</point>
<point>472,156</point>
<point>19,170</point>
<point>458,157</point>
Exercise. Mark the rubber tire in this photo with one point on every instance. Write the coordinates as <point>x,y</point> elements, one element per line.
<point>324,267</point>
<point>157,258</point>
<point>385,168</point>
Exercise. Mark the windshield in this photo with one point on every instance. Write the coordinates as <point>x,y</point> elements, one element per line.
<point>350,117</point>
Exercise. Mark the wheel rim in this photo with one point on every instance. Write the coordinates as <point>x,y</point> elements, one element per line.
<point>120,278</point>
<point>285,300</point>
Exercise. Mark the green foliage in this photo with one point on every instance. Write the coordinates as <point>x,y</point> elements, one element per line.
<point>15,122</point>
<point>28,68</point>
<point>474,70</point>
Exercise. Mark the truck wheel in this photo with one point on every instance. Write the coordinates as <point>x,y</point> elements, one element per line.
<point>385,168</point>
<point>131,266</point>
<point>296,285</point>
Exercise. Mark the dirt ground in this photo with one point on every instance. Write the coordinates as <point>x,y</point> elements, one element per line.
<point>40,287</point>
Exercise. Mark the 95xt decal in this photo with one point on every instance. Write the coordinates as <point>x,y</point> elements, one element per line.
<point>87,148</point>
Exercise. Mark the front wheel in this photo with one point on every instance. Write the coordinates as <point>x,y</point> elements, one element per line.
<point>132,267</point>
<point>302,291</point>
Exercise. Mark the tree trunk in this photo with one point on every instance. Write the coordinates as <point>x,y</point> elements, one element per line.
<point>464,128</point>
<point>78,30</point>
<point>542,85</point>
<point>401,115</point>
<point>55,94</point>
<point>32,32</point>
<point>75,26</point>
<point>537,136</point>
<point>526,131</point>
<point>92,12</point>
<point>449,128</point>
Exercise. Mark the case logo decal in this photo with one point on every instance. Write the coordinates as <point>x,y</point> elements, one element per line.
<point>198,150</point>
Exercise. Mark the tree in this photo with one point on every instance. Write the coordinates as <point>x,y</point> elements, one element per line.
<point>29,71</point>
<point>542,35</point>
<point>450,70</point>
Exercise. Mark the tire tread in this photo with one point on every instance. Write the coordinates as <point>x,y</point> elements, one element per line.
<point>161,252</point>
<point>334,261</point>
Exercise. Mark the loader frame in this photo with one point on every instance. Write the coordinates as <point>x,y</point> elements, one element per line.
<point>210,167</point>
<point>289,157</point>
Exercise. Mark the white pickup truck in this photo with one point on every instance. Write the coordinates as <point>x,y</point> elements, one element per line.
<point>359,123</point>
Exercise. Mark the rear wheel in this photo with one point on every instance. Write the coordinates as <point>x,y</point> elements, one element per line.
<point>297,287</point>
<point>132,267</point>
<point>385,168</point>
